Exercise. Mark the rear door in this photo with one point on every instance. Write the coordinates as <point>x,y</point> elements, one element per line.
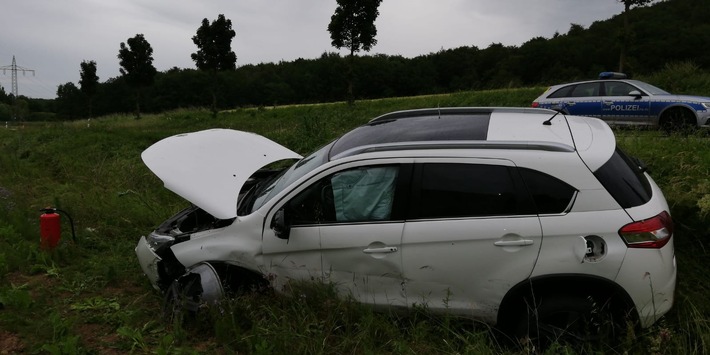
<point>583,100</point>
<point>472,234</point>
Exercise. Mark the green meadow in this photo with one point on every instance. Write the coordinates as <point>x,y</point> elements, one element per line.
<point>89,296</point>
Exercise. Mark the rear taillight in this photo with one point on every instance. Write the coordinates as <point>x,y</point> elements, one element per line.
<point>535,104</point>
<point>650,233</point>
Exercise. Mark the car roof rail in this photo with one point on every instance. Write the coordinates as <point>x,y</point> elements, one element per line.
<point>392,116</point>
<point>416,145</point>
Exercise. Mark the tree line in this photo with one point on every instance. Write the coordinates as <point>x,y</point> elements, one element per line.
<point>641,40</point>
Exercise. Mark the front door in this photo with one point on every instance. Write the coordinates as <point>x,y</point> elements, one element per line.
<point>618,107</point>
<point>349,218</point>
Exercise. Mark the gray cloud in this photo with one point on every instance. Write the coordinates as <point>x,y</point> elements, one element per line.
<point>53,37</point>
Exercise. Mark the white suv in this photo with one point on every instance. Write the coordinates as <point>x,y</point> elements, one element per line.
<point>523,218</point>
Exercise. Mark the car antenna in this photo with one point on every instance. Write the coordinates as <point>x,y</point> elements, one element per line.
<point>559,110</point>
<point>548,123</point>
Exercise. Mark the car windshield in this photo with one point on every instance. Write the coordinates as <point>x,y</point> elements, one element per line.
<point>295,172</point>
<point>649,88</point>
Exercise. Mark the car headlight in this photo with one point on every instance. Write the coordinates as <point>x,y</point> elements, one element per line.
<point>706,105</point>
<point>158,242</point>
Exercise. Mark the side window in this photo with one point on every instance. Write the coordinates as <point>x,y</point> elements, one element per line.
<point>550,194</point>
<point>563,92</point>
<point>470,190</point>
<point>355,195</point>
<point>617,88</point>
<point>585,90</point>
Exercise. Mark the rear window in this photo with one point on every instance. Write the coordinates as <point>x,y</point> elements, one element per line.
<point>625,180</point>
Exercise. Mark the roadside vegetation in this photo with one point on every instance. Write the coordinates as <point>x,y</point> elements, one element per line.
<point>90,297</point>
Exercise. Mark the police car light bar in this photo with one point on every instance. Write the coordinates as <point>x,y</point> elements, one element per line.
<point>612,75</point>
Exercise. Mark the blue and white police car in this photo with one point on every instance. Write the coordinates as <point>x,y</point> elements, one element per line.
<point>621,101</point>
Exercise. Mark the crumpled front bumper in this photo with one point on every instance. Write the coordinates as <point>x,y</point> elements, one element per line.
<point>149,261</point>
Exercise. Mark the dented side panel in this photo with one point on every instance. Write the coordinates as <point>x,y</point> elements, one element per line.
<point>364,261</point>
<point>467,265</point>
<point>641,278</point>
<point>238,244</point>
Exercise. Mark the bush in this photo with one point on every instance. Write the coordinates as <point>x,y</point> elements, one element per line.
<point>682,78</point>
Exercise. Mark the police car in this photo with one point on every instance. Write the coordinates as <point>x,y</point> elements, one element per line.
<point>621,101</point>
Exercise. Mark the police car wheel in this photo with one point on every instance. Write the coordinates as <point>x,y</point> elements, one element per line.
<point>677,119</point>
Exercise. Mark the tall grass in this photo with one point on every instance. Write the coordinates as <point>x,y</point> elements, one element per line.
<point>90,296</point>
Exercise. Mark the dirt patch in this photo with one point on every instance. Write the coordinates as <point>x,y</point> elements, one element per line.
<point>44,280</point>
<point>10,343</point>
<point>100,338</point>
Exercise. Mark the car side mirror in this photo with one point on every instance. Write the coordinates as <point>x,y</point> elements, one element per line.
<point>636,94</point>
<point>281,229</point>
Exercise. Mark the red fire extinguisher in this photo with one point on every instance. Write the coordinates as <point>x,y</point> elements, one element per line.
<point>50,227</point>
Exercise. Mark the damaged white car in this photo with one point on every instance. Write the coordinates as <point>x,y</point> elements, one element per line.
<point>524,218</point>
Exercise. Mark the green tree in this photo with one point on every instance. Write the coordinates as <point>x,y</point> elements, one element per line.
<point>68,101</point>
<point>214,54</point>
<point>626,34</point>
<point>89,81</point>
<point>21,108</point>
<point>353,26</point>
<point>136,60</point>
<point>4,97</point>
<point>5,105</point>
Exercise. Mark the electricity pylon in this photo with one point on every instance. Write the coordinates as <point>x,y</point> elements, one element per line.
<point>14,69</point>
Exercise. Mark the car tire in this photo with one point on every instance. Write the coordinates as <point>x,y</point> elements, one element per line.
<point>176,303</point>
<point>677,119</point>
<point>572,320</point>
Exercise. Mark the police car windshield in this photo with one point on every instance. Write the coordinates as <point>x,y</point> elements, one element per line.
<point>649,88</point>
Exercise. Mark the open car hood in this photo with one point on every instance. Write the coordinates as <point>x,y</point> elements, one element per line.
<point>209,168</point>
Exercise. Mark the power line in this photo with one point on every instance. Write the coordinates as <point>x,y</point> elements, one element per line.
<point>14,69</point>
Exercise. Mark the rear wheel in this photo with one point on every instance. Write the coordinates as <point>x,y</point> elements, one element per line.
<point>575,321</point>
<point>677,119</point>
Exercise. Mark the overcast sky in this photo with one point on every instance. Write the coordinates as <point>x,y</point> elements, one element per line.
<point>52,37</point>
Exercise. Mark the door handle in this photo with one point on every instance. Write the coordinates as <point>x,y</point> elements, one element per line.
<point>511,243</point>
<point>608,102</point>
<point>383,250</point>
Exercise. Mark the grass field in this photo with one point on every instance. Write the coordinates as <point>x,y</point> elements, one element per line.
<point>91,297</point>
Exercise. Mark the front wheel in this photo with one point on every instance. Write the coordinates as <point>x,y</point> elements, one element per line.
<point>200,286</point>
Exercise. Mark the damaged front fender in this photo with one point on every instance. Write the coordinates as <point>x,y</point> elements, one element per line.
<point>200,286</point>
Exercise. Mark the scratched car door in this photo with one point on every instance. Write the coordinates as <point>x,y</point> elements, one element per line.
<point>619,107</point>
<point>472,234</point>
<point>360,246</point>
<point>345,230</point>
